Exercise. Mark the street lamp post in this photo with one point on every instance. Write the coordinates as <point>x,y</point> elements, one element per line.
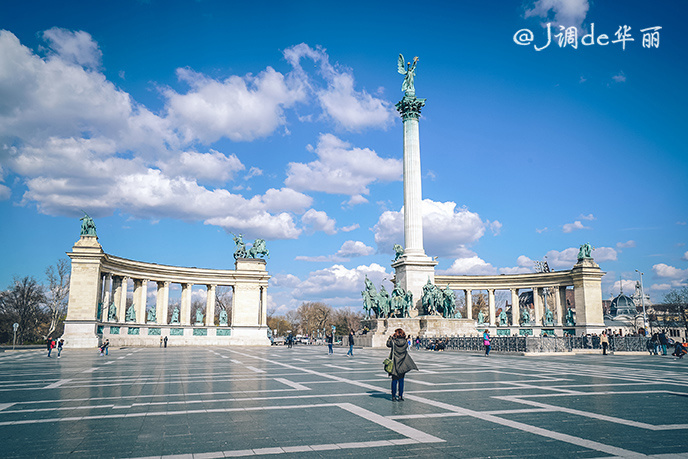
<point>642,300</point>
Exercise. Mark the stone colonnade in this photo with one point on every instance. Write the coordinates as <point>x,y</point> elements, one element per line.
<point>585,278</point>
<point>98,301</point>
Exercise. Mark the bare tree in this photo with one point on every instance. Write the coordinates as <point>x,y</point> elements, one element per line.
<point>56,296</point>
<point>313,316</point>
<point>346,320</point>
<point>22,303</point>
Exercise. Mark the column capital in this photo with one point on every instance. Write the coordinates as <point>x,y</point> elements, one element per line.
<point>409,107</point>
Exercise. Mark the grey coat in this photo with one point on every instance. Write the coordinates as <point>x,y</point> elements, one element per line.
<point>401,358</point>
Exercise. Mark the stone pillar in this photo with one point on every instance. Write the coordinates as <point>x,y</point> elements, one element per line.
<point>587,286</point>
<point>122,306</point>
<point>139,304</point>
<point>107,297</point>
<point>248,303</point>
<point>162,300</point>
<point>84,283</point>
<point>116,294</point>
<point>537,306</point>
<point>558,304</point>
<point>515,310</point>
<point>469,303</point>
<point>264,306</point>
<point>491,306</point>
<point>144,301</point>
<point>414,268</point>
<point>185,313</point>
<point>210,305</point>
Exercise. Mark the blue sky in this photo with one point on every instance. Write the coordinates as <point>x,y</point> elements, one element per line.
<point>174,123</point>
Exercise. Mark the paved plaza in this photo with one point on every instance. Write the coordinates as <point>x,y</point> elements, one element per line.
<point>274,401</point>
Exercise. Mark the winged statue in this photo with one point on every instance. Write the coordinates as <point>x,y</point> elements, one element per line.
<point>409,70</point>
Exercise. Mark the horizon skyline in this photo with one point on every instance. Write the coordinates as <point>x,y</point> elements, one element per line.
<point>173,130</point>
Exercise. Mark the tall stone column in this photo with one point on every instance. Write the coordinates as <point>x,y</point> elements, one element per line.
<point>210,305</point>
<point>116,295</point>
<point>144,301</point>
<point>491,306</point>
<point>557,305</point>
<point>122,307</point>
<point>413,268</point>
<point>107,297</point>
<point>537,306</point>
<point>162,300</point>
<point>469,303</point>
<point>515,310</point>
<point>185,312</point>
<point>139,302</point>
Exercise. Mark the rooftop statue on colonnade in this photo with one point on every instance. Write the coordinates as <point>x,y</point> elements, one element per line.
<point>585,251</point>
<point>240,251</point>
<point>258,249</point>
<point>88,227</point>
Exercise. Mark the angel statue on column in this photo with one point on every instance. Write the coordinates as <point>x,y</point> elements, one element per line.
<point>410,71</point>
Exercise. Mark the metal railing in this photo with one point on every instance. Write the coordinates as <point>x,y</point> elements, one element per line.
<point>540,343</point>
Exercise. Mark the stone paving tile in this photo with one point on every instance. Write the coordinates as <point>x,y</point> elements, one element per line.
<point>238,402</point>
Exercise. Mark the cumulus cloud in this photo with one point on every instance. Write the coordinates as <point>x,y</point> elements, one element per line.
<point>625,245</point>
<point>568,13</point>
<point>212,166</point>
<point>338,280</point>
<point>677,277</point>
<point>470,264</point>
<point>589,217</point>
<point>239,108</point>
<point>355,249</point>
<point>74,47</point>
<point>319,221</point>
<point>341,169</point>
<point>355,226</point>
<point>568,257</point>
<point>350,109</point>
<point>5,192</point>
<point>73,148</point>
<point>685,256</point>
<point>623,285</point>
<point>446,228</point>
<point>577,225</point>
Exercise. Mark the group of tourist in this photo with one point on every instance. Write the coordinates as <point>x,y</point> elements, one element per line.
<point>52,344</point>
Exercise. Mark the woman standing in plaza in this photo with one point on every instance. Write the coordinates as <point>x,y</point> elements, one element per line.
<point>486,342</point>
<point>402,362</point>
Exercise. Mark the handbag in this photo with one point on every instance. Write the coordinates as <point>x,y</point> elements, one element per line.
<point>388,362</point>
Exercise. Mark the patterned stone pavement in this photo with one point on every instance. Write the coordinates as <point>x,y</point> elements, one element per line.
<point>300,402</point>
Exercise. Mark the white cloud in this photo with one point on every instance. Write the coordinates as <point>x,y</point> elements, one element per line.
<point>355,249</point>
<point>319,221</point>
<point>619,77</point>
<point>564,259</point>
<point>589,217</point>
<point>355,226</point>
<point>353,110</point>
<point>469,266</point>
<point>524,265</point>
<point>628,287</point>
<point>577,225</point>
<point>625,245</point>
<point>212,166</point>
<point>253,172</point>
<point>5,192</point>
<point>355,200</point>
<point>540,231</point>
<point>446,229</point>
<point>338,280</point>
<point>661,287</point>
<point>604,254</point>
<point>663,270</point>
<point>284,280</point>
<point>568,13</point>
<point>74,47</point>
<point>685,256</point>
<point>495,227</point>
<point>239,108</point>
<point>341,169</point>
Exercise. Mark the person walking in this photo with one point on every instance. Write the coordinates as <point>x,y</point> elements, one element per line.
<point>329,340</point>
<point>351,344</point>
<point>604,341</point>
<point>663,342</point>
<point>161,341</point>
<point>402,363</point>
<point>487,343</point>
<point>60,344</point>
<point>165,341</point>
<point>51,345</point>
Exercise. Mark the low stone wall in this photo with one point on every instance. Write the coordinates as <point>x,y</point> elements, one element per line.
<point>543,344</point>
<point>177,335</point>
